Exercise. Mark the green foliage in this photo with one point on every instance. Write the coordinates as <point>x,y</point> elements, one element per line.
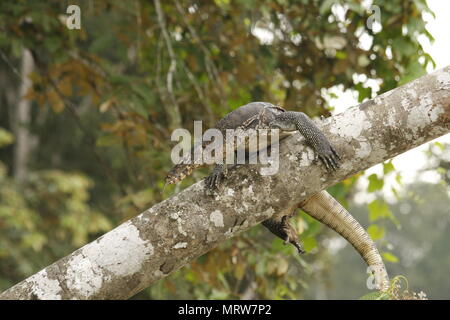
<point>43,218</point>
<point>395,292</point>
<point>388,167</point>
<point>379,209</point>
<point>387,256</point>
<point>376,232</point>
<point>6,138</point>
<point>377,295</point>
<point>375,183</point>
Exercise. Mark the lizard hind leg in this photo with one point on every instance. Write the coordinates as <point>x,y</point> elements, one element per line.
<point>284,230</point>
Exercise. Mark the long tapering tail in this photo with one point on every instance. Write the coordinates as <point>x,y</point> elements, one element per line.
<point>324,208</point>
<point>186,166</point>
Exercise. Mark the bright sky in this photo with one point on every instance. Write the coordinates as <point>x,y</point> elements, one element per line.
<point>409,163</point>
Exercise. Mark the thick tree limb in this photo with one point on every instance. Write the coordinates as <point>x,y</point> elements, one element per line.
<point>174,232</point>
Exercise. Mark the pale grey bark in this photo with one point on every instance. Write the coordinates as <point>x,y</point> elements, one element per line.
<point>172,233</point>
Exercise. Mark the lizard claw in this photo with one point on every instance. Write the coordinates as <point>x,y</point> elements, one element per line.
<point>291,235</point>
<point>283,230</point>
<point>297,244</point>
<point>330,158</point>
<point>213,181</point>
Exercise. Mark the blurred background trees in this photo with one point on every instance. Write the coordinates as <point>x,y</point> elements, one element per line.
<point>86,117</point>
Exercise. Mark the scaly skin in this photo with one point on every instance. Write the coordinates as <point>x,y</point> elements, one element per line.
<point>261,114</point>
<point>290,121</point>
<point>324,208</point>
<point>320,206</point>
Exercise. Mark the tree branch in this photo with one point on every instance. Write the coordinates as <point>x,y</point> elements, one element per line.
<point>173,110</point>
<point>22,118</point>
<point>172,233</point>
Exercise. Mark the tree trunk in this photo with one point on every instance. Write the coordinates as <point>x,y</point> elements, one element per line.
<point>172,233</point>
<point>23,143</point>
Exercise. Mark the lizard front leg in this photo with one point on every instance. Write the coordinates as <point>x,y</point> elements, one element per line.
<point>281,227</point>
<point>292,121</point>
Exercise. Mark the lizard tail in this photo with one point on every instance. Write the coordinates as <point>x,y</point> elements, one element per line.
<point>181,171</point>
<point>186,166</point>
<point>324,208</point>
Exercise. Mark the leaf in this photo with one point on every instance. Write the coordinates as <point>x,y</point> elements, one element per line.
<point>313,226</point>
<point>375,232</point>
<point>356,7</point>
<point>106,105</point>
<point>363,92</point>
<point>413,71</point>
<point>377,295</point>
<point>389,257</point>
<point>439,145</point>
<point>106,140</point>
<point>6,137</point>
<point>326,6</point>
<point>388,167</point>
<point>379,209</point>
<point>375,183</point>
<point>398,179</point>
<point>278,245</point>
<point>404,47</point>
<point>143,197</point>
<point>300,225</point>
<point>34,240</point>
<point>55,102</point>
<point>239,270</point>
<point>283,266</point>
<point>309,243</point>
<point>395,192</point>
<point>341,55</point>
